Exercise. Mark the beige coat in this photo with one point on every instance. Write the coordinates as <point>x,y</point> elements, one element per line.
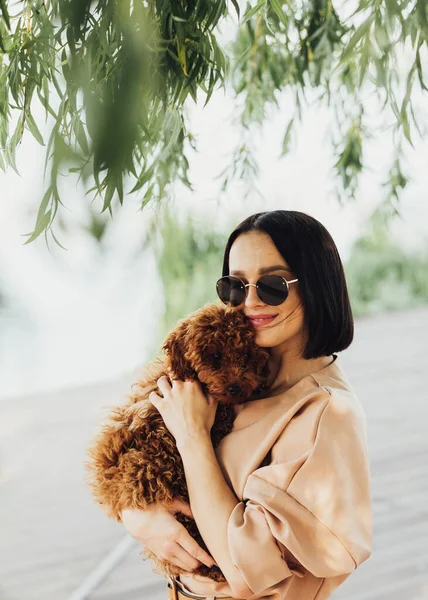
<point>298,464</point>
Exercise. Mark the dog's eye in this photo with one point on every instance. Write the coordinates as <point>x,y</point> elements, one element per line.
<point>215,359</point>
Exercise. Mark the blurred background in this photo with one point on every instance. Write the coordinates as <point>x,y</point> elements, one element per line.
<point>76,324</point>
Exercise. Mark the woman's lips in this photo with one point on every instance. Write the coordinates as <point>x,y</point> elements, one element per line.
<point>262,320</point>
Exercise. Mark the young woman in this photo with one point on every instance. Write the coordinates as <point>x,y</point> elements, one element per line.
<point>284,501</point>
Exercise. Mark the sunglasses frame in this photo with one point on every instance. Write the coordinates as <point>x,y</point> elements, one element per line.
<point>247,285</point>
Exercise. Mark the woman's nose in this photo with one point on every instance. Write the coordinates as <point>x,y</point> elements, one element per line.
<point>252,298</point>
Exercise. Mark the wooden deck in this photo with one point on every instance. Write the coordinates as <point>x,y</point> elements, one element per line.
<point>56,544</point>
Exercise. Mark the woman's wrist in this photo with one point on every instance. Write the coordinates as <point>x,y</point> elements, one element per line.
<point>192,440</point>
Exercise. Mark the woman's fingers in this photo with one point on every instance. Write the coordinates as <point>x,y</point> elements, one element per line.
<point>168,539</point>
<point>178,563</point>
<point>183,559</point>
<point>192,547</point>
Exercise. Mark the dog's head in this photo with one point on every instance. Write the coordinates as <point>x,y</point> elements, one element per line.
<point>216,345</point>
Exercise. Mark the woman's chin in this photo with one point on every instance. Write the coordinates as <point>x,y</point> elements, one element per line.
<point>265,339</point>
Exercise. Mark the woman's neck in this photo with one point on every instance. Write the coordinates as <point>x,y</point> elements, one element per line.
<point>288,367</point>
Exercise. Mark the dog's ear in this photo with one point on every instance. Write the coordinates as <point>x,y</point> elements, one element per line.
<point>175,349</point>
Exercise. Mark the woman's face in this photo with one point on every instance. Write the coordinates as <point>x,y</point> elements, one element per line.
<point>253,254</point>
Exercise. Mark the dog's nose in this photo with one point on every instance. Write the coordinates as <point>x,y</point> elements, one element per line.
<point>234,389</point>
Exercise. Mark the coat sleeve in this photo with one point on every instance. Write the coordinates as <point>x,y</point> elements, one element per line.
<point>312,502</point>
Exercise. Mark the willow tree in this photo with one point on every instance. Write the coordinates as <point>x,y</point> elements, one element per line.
<point>114,77</point>
<point>189,259</point>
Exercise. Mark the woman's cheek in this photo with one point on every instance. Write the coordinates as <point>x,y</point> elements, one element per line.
<point>282,332</point>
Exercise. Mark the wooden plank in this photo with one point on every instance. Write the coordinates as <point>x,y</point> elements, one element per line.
<point>54,536</point>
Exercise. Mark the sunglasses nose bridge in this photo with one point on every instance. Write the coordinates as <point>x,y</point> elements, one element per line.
<point>248,293</point>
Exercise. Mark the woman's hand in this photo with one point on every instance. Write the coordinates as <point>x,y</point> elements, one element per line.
<point>158,530</point>
<point>184,408</point>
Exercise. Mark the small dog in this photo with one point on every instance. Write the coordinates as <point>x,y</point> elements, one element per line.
<point>134,461</point>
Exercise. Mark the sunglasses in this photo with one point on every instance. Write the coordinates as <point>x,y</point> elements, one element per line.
<point>271,289</point>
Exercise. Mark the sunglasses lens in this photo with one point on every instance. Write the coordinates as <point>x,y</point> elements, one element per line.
<point>230,290</point>
<point>272,289</point>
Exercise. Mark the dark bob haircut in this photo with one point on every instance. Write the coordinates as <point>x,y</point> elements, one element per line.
<point>311,253</point>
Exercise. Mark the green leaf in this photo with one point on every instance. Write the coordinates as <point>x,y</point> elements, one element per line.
<point>144,177</point>
<point>219,7</point>
<point>51,143</point>
<point>80,133</point>
<point>364,61</point>
<point>211,86</point>
<point>43,205</point>
<point>420,73</point>
<point>31,124</point>
<point>358,34</point>
<point>236,5</point>
<point>119,188</point>
<point>2,44</point>
<point>406,126</point>
<point>40,227</point>
<point>277,7</point>
<point>287,138</point>
<point>109,195</point>
<point>5,12</point>
<point>250,13</point>
<point>57,242</point>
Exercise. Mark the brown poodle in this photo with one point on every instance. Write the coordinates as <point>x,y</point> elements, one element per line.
<point>134,461</point>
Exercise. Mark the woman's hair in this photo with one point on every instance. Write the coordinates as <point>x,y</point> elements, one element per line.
<point>311,253</point>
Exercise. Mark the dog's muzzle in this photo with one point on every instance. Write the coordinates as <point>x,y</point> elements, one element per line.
<point>234,389</point>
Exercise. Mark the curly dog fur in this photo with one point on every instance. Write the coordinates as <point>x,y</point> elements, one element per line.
<point>133,461</point>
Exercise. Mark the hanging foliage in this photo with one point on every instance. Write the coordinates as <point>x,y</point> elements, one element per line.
<point>114,77</point>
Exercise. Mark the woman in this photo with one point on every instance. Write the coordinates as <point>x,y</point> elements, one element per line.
<point>283,503</point>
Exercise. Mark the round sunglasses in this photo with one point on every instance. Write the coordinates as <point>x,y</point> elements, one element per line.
<point>271,289</point>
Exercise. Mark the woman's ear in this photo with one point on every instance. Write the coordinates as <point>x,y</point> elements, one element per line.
<point>175,348</point>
